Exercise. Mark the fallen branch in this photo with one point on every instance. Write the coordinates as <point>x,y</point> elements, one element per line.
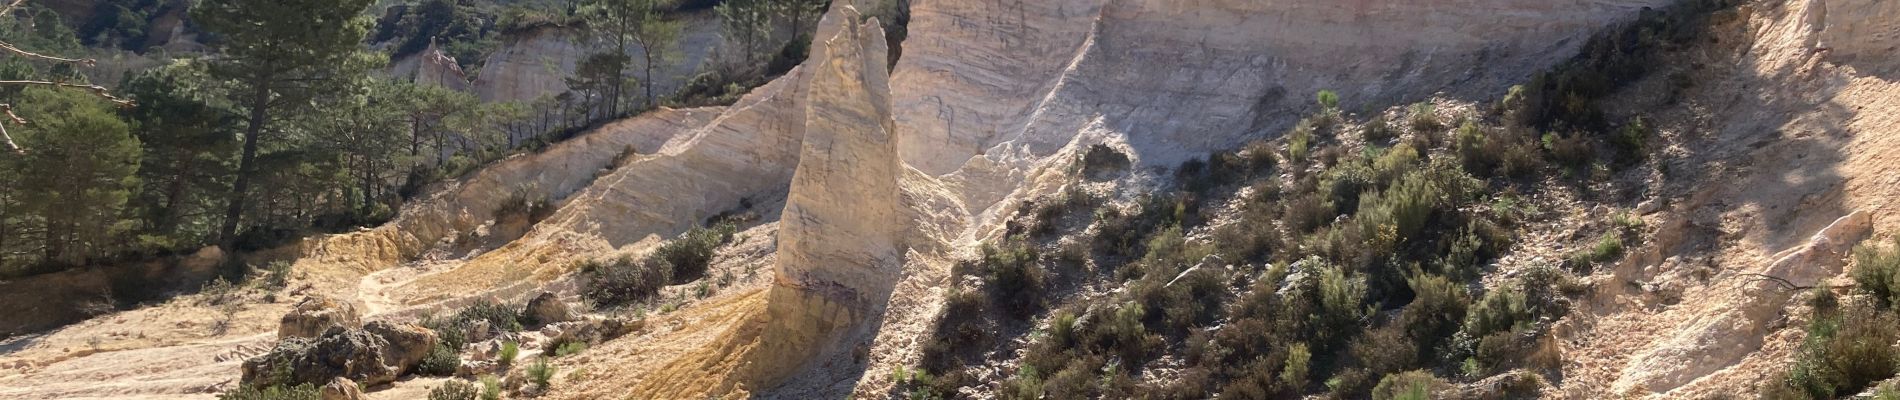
<point>96,90</point>
<point>4,137</point>
<point>1784,284</point>
<point>28,54</point>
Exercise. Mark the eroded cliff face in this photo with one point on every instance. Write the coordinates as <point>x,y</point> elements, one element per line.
<point>838,250</point>
<point>1858,32</point>
<point>431,67</point>
<point>533,64</point>
<point>886,177</point>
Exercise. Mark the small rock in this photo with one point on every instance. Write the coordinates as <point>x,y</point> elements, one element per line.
<point>316,315</point>
<point>478,330</point>
<point>342,389</point>
<point>548,309</point>
<point>474,368</point>
<point>1647,207</point>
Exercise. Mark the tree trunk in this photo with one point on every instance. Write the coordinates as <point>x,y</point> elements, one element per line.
<point>646,79</point>
<point>174,193</point>
<point>247,166</point>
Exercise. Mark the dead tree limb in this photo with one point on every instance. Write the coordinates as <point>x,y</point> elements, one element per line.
<point>101,91</point>
<point>96,90</point>
<point>1783,284</point>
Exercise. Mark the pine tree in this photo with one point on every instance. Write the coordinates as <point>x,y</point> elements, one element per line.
<point>79,174</point>
<point>749,24</point>
<point>189,137</point>
<point>280,53</point>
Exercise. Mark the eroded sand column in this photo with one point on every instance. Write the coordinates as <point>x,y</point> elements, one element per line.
<point>837,250</point>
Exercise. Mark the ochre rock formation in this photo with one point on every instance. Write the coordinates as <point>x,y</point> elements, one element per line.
<point>837,250</point>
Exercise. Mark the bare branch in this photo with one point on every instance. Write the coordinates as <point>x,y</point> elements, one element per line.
<point>10,7</point>
<point>96,90</point>
<point>4,137</point>
<point>28,54</point>
<point>1782,283</point>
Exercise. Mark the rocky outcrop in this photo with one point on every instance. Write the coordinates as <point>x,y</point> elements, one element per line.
<point>374,355</point>
<point>1184,77</point>
<point>431,67</point>
<point>341,389</point>
<point>837,251</point>
<point>1859,32</point>
<point>547,309</point>
<point>463,207</point>
<point>534,63</point>
<point>316,315</point>
<point>840,218</point>
<point>407,343</point>
<point>1710,343</point>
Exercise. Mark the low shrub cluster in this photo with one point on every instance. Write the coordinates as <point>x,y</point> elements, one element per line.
<point>1342,237</point>
<point>275,392</point>
<point>454,390</point>
<point>1848,349</point>
<point>628,280</point>
<point>452,333</point>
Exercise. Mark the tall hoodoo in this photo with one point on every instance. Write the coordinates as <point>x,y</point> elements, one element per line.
<point>837,251</point>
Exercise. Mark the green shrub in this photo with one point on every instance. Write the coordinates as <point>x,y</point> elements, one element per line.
<point>525,203</point>
<point>1425,118</point>
<point>1378,131</point>
<point>1014,276</point>
<point>1328,100</point>
<point>509,350</point>
<point>1887,391</point>
<point>1298,365</point>
<point>1498,153</point>
<point>441,361</point>
<point>1384,350</point>
<point>1409,385</point>
<point>491,387</point>
<point>497,315</point>
<point>454,390</point>
<point>1845,352</point>
<point>1299,145</point>
<point>1607,248</point>
<point>569,348</point>
<point>1402,209</point>
<point>1505,309</point>
<point>1341,295</point>
<point>625,281</point>
<point>540,373</point>
<point>273,392</point>
<point>1877,272</point>
<point>1127,336</point>
<point>692,252</point>
<point>1438,307</point>
<point>1632,141</point>
<point>1395,162</point>
<point>1571,150</point>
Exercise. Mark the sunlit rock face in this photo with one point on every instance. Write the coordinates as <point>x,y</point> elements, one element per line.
<point>1181,77</point>
<point>837,250</point>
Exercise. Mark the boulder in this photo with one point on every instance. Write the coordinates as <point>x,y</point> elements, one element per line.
<point>373,355</point>
<point>316,315</point>
<point>548,309</point>
<point>355,354</point>
<point>407,343</point>
<point>591,330</point>
<point>341,389</point>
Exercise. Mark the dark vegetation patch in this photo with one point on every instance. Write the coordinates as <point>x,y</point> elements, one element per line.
<point>628,280</point>
<point>1345,257</point>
